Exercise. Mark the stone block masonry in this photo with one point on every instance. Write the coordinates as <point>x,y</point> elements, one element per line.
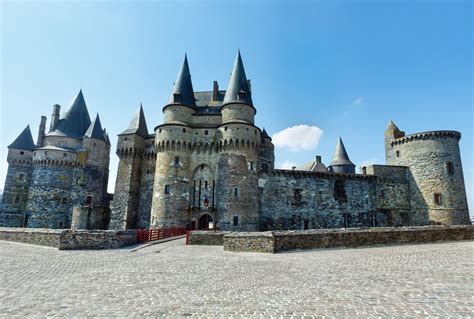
<point>70,239</point>
<point>277,241</point>
<point>210,238</point>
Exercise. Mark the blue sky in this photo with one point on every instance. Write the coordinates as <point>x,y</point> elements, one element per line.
<point>346,67</point>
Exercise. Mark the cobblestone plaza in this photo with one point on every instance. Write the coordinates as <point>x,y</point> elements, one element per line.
<point>171,279</point>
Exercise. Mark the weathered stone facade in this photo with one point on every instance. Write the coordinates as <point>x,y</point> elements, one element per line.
<point>209,165</point>
<point>68,167</point>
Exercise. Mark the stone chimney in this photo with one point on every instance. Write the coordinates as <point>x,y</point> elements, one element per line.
<point>54,117</point>
<point>318,159</point>
<point>215,91</point>
<point>41,131</point>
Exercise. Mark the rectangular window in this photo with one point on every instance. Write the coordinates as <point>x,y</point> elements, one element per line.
<point>21,177</point>
<point>64,201</point>
<point>89,200</point>
<point>64,154</point>
<point>437,198</point>
<point>306,224</point>
<point>17,199</point>
<point>21,152</point>
<point>339,190</point>
<point>206,132</point>
<point>398,153</point>
<point>251,166</point>
<point>373,220</point>
<point>347,220</point>
<point>225,128</point>
<point>184,130</point>
<point>167,189</point>
<point>236,221</point>
<point>450,168</point>
<point>205,184</point>
<point>176,160</point>
<point>236,192</point>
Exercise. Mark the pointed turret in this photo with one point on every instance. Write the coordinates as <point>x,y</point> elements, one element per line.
<point>265,134</point>
<point>24,141</point>
<point>137,124</point>
<point>238,89</point>
<point>340,161</point>
<point>95,130</point>
<point>106,137</point>
<point>183,92</point>
<point>75,121</point>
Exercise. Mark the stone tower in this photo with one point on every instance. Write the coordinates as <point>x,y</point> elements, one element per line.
<point>340,161</point>
<point>437,190</point>
<point>134,167</point>
<point>18,179</point>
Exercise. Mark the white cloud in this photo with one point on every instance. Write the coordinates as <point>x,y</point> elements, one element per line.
<point>298,138</point>
<point>359,101</point>
<point>287,165</point>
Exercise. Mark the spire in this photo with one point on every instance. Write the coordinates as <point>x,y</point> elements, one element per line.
<point>106,137</point>
<point>183,92</point>
<point>75,121</point>
<point>340,155</point>
<point>238,89</point>
<point>95,130</point>
<point>137,124</point>
<point>265,134</point>
<point>392,127</point>
<point>24,141</point>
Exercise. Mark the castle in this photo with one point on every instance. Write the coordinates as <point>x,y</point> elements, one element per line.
<point>49,183</point>
<point>209,166</point>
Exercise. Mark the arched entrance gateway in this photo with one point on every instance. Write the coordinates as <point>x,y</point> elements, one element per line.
<point>202,201</point>
<point>206,222</point>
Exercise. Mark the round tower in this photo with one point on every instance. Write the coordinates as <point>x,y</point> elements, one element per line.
<point>267,153</point>
<point>173,141</point>
<point>340,161</point>
<point>438,193</point>
<point>239,147</point>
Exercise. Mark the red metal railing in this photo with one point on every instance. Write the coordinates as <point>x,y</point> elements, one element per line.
<point>144,235</point>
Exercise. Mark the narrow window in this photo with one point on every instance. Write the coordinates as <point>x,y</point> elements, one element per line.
<point>306,224</point>
<point>64,154</point>
<point>206,132</point>
<point>46,153</point>
<point>450,168</point>
<point>225,128</point>
<point>184,130</point>
<point>251,166</point>
<point>437,198</point>
<point>148,172</point>
<point>373,220</point>
<point>17,199</point>
<point>167,189</point>
<point>159,131</point>
<point>347,221</point>
<point>126,138</point>
<point>236,221</point>
<point>21,152</point>
<point>236,192</point>
<point>60,224</point>
<point>398,153</point>
<point>339,190</point>
<point>176,160</point>
<point>21,177</point>
<point>34,153</point>
<point>205,184</point>
<point>64,201</point>
<point>89,200</point>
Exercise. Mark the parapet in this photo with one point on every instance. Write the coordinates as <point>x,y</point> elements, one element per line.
<point>426,136</point>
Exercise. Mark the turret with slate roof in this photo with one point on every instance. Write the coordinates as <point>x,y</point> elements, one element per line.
<point>137,124</point>
<point>183,92</point>
<point>340,161</point>
<point>238,89</point>
<point>24,141</point>
<point>95,130</point>
<point>75,121</point>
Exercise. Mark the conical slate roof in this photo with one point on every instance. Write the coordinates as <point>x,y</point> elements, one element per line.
<point>75,121</point>
<point>265,134</point>
<point>238,84</point>
<point>106,137</point>
<point>24,141</point>
<point>95,130</point>
<point>340,155</point>
<point>392,127</point>
<point>183,86</point>
<point>137,124</point>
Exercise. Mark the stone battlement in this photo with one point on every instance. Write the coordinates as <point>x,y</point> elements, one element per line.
<point>426,135</point>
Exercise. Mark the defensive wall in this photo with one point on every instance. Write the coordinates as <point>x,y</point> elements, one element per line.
<point>277,241</point>
<point>66,239</point>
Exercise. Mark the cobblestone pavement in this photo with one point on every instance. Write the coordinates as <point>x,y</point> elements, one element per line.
<point>434,280</point>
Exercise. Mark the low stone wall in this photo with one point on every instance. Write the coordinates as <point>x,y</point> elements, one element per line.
<point>211,238</point>
<point>97,239</point>
<point>67,239</point>
<point>259,242</point>
<point>36,236</point>
<point>277,241</point>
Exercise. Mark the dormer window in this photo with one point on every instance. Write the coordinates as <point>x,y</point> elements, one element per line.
<point>241,95</point>
<point>176,97</point>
